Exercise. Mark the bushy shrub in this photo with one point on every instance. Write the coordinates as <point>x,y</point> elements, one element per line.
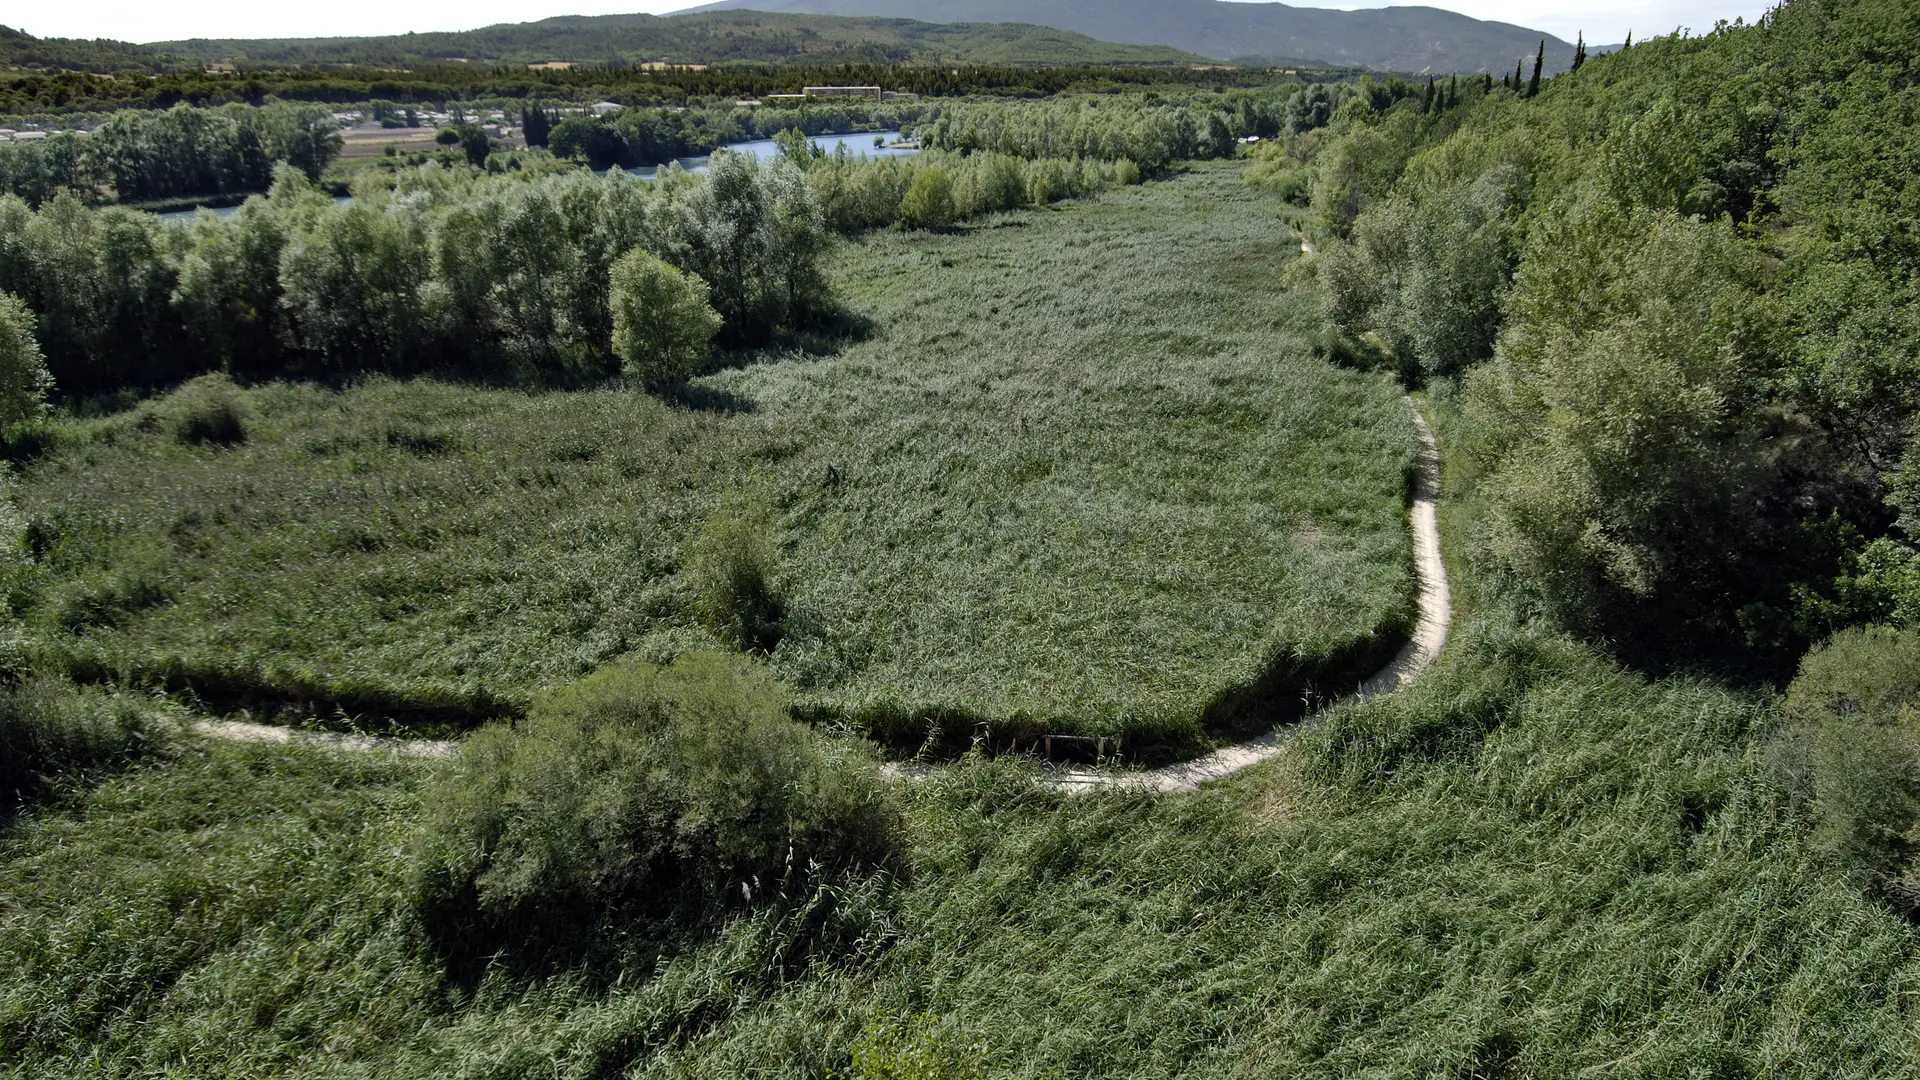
<point>49,729</point>
<point>24,381</point>
<point>733,569</point>
<point>1856,703</point>
<point>663,327</point>
<point>928,203</point>
<point>207,410</point>
<point>639,794</point>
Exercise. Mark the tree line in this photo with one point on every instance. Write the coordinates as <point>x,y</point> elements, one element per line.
<point>514,276</point>
<point>1675,290</point>
<point>36,92</point>
<point>183,151</point>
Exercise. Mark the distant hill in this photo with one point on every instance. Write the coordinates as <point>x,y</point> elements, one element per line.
<point>717,37</point>
<point>1408,39</point>
<point>19,49</point>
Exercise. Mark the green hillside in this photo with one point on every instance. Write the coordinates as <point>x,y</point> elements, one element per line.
<point>1388,39</point>
<point>715,38</point>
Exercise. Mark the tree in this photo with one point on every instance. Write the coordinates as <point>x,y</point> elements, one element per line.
<point>589,138</point>
<point>474,142</point>
<point>929,200</point>
<point>797,148</point>
<point>1579,51</point>
<point>1618,419</point>
<point>536,123</point>
<point>663,326</point>
<point>1539,58</point>
<point>24,381</point>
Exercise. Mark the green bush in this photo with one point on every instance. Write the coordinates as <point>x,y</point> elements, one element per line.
<point>637,794</point>
<point>1856,703</point>
<point>49,729</point>
<point>733,570</point>
<point>23,370</point>
<point>209,410</point>
<point>928,203</point>
<point>663,326</point>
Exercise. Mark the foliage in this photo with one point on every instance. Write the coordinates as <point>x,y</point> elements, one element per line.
<point>146,155</point>
<point>209,409</point>
<point>23,370</point>
<point>506,276</point>
<point>928,203</point>
<point>1619,420</point>
<point>1429,280</point>
<point>641,792</point>
<point>663,326</point>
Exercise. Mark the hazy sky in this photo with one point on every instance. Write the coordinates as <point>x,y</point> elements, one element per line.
<point>1604,21</point>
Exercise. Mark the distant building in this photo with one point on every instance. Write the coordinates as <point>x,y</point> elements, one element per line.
<point>898,95</point>
<point>605,108</point>
<point>840,91</point>
<point>221,67</point>
<point>551,65</point>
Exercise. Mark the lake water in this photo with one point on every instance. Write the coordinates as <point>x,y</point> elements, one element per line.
<point>860,143</point>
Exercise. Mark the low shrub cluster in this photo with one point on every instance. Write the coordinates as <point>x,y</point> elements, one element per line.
<point>641,794</point>
<point>933,190</point>
<point>1854,739</point>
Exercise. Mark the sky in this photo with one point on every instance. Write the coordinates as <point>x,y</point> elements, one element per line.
<point>1603,21</point>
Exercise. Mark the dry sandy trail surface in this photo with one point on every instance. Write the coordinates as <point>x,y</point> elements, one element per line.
<point>1429,636</point>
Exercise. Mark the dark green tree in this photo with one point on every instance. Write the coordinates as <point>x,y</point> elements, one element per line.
<point>1579,51</point>
<point>537,124</point>
<point>1426,104</point>
<point>1539,58</point>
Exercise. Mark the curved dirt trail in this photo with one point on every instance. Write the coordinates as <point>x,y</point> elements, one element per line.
<point>1429,636</point>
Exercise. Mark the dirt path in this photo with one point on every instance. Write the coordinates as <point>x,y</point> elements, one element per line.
<point>1429,636</point>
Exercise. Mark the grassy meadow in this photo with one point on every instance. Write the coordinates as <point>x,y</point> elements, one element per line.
<point>1069,470</point>
<point>1531,864</point>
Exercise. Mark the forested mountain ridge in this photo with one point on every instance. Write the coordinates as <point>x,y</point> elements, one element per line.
<point>19,49</point>
<point>717,38</point>
<point>1388,39</point>
<point>714,38</point>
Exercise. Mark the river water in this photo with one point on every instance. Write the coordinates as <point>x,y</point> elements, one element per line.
<point>860,143</point>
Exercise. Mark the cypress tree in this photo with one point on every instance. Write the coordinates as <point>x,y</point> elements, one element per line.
<point>1629,43</point>
<point>1489,87</point>
<point>1539,58</point>
<point>1427,105</point>
<point>1516,75</point>
<point>1453,90</point>
<point>1579,51</point>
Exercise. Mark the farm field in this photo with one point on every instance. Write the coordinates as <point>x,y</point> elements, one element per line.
<point>1073,470</point>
